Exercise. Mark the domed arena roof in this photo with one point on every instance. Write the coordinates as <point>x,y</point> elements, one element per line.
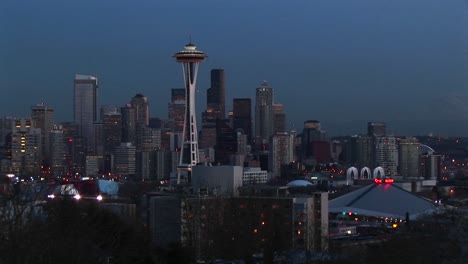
<point>299,183</point>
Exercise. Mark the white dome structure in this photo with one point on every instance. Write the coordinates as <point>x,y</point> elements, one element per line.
<point>299,183</point>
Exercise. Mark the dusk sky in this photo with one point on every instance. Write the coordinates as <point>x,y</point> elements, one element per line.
<point>343,62</point>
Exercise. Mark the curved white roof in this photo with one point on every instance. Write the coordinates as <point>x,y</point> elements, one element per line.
<point>382,200</point>
<point>299,183</point>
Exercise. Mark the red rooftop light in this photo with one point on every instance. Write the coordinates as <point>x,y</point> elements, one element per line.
<point>387,180</point>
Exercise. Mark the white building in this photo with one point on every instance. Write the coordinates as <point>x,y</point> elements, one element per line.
<point>253,176</point>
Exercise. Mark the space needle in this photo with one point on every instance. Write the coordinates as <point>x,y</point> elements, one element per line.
<point>190,59</point>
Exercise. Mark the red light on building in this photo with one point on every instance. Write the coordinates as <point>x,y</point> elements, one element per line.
<point>70,140</point>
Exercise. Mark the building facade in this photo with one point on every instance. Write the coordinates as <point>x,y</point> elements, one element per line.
<point>264,115</point>
<point>85,96</point>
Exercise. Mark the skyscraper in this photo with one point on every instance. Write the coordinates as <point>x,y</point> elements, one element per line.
<point>264,116</point>
<point>408,156</point>
<point>42,117</point>
<point>85,95</point>
<point>112,131</point>
<point>128,124</point>
<point>226,142</point>
<point>215,108</point>
<point>216,95</point>
<point>315,145</point>
<point>386,154</point>
<point>279,119</point>
<point>281,152</point>
<point>57,151</point>
<point>242,117</point>
<point>25,148</point>
<point>140,103</point>
<point>190,59</point>
<point>176,111</point>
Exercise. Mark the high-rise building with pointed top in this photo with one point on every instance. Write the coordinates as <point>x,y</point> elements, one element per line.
<point>264,115</point>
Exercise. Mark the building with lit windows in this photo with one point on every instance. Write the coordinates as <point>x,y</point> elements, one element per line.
<point>386,154</point>
<point>239,226</point>
<point>279,123</point>
<point>112,130</point>
<point>26,148</point>
<point>281,152</point>
<point>58,153</point>
<point>176,109</point>
<point>125,160</point>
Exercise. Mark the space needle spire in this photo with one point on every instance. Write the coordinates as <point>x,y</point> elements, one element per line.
<point>190,59</point>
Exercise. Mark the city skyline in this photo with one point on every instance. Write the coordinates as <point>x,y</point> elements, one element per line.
<point>391,63</point>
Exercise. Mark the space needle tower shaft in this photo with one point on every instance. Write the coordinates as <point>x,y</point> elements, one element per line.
<point>190,59</point>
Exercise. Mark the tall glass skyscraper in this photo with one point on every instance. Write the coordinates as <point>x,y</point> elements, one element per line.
<point>264,115</point>
<point>140,103</point>
<point>216,95</point>
<point>85,89</point>
<point>42,117</point>
<point>242,116</point>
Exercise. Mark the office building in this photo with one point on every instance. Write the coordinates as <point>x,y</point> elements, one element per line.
<point>408,158</point>
<point>112,130</point>
<point>140,103</point>
<point>226,142</point>
<point>242,116</point>
<point>85,96</point>
<point>279,119</point>
<point>42,117</point>
<point>432,167</point>
<point>125,160</point>
<point>58,153</point>
<point>128,124</point>
<point>281,150</point>
<point>386,155</point>
<point>25,148</point>
<point>176,109</point>
<point>315,146</point>
<point>76,147</point>
<point>264,116</point>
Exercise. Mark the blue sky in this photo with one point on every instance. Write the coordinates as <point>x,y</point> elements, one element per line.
<point>343,62</point>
